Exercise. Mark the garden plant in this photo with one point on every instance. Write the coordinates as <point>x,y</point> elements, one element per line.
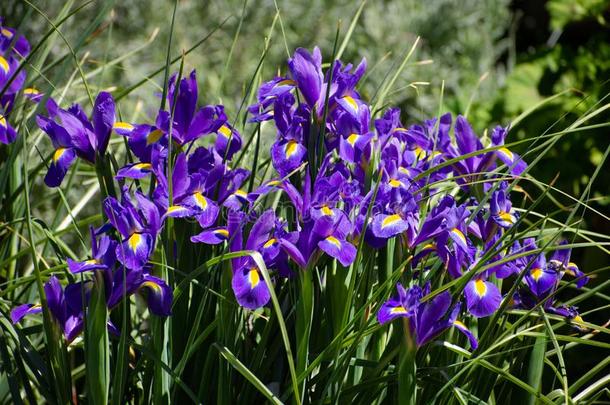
<point>310,243</point>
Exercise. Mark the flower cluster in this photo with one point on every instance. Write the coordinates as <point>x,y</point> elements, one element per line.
<point>14,47</point>
<point>351,181</point>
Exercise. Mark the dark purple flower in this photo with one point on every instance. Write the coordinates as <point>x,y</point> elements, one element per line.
<point>73,134</point>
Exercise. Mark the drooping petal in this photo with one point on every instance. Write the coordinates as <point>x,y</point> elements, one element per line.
<point>387,226</point>
<point>340,249</point>
<point>459,238</point>
<point>7,132</point>
<point>135,251</point>
<point>60,163</point>
<point>228,141</point>
<point>540,279</point>
<point>250,288</point>
<point>391,310</point>
<point>18,313</point>
<point>179,211</point>
<point>87,265</point>
<point>515,162</point>
<point>430,318</point>
<point>123,128</point>
<point>482,297</point>
<point>135,171</point>
<point>159,297</point>
<point>211,236</point>
<point>287,156</point>
<point>459,325</point>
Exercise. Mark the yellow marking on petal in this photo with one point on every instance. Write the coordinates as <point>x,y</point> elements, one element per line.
<point>134,241</point>
<point>460,235</point>
<point>334,241</point>
<point>273,183</point>
<point>153,137</point>
<point>35,306</point>
<point>398,310</point>
<point>459,324</point>
<point>290,148</point>
<point>201,201</point>
<point>92,261</point>
<point>126,126</point>
<point>429,246</point>
<point>174,208</point>
<point>577,319</point>
<point>58,154</point>
<point>480,287</point>
<point>225,131</point>
<point>505,216</point>
<point>352,139</point>
<point>352,103</point>
<point>536,273</point>
<point>3,121</point>
<point>7,33</point>
<point>241,193</point>
<point>395,183</point>
<point>287,82</point>
<point>253,277</point>
<point>142,166</point>
<point>399,129</point>
<point>572,264</point>
<point>326,211</point>
<point>222,232</point>
<point>156,287</point>
<point>31,91</point>
<point>4,65</point>
<point>390,220</point>
<point>419,152</point>
<point>269,243</point>
<point>506,153</point>
<point>404,170</point>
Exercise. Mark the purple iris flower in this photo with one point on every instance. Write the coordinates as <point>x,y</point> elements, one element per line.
<point>501,208</point>
<point>267,95</point>
<point>73,134</point>
<point>66,306</point>
<point>427,320</point>
<point>560,262</point>
<point>483,298</point>
<point>14,47</point>
<point>323,224</point>
<point>293,127</point>
<point>188,191</point>
<point>158,293</point>
<point>122,282</point>
<point>190,123</point>
<point>103,256</point>
<point>468,142</point>
<point>138,226</point>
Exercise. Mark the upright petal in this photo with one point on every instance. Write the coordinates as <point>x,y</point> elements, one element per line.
<point>103,118</point>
